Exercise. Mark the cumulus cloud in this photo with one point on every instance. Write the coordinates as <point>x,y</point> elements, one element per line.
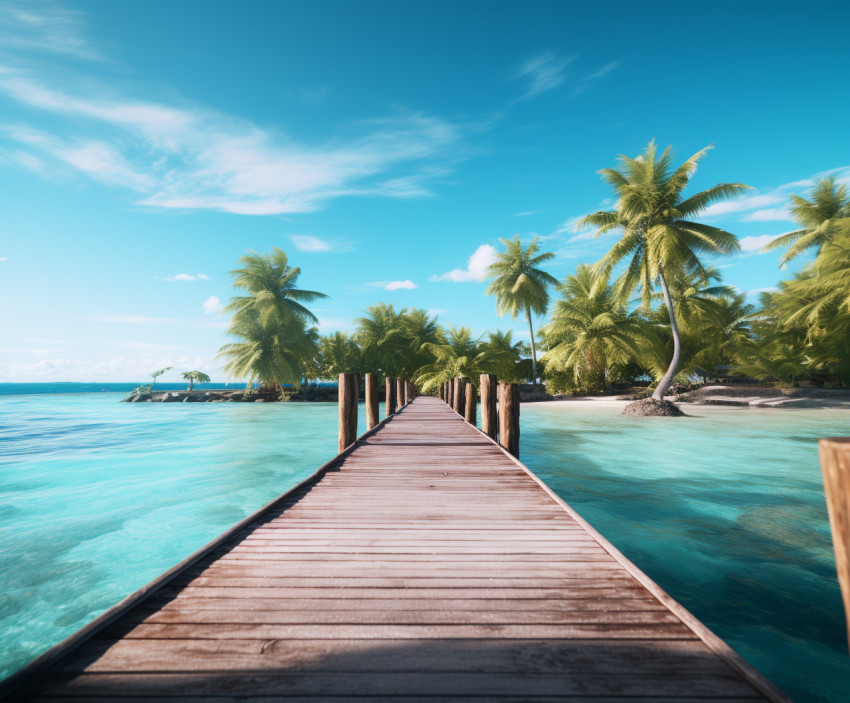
<point>755,244</point>
<point>309,243</point>
<point>212,305</point>
<point>407,284</point>
<point>476,267</point>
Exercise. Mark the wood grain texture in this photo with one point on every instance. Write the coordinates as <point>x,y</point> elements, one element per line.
<point>424,564</point>
<point>470,405</point>
<point>391,397</point>
<point>348,397</point>
<point>489,418</point>
<point>835,465</point>
<point>509,417</point>
<point>372,412</point>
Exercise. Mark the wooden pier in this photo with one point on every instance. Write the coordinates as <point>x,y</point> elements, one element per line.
<point>424,563</point>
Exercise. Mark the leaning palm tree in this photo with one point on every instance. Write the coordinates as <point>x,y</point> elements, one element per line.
<point>822,219</point>
<point>156,374</point>
<point>270,283</point>
<point>660,239</point>
<point>520,286</point>
<point>194,377</point>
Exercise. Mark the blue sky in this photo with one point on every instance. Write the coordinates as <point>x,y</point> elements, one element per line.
<point>386,146</point>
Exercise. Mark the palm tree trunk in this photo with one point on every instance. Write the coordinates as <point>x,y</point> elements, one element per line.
<point>533,351</point>
<point>664,383</point>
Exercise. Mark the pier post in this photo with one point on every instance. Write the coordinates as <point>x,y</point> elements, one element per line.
<point>399,393</point>
<point>509,417</point>
<point>471,405</point>
<point>348,397</point>
<point>372,417</point>
<point>460,395</point>
<point>489,420</point>
<point>835,465</point>
<point>389,385</point>
<point>450,393</point>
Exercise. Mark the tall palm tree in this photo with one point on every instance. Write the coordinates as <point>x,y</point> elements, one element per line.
<point>660,239</point>
<point>520,286</point>
<point>822,218</point>
<point>459,356</point>
<point>194,377</point>
<point>270,283</point>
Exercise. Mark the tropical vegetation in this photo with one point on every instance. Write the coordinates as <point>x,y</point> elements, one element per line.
<point>653,311</point>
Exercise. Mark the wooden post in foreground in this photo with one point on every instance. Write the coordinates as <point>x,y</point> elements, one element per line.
<point>471,404</point>
<point>489,420</point>
<point>391,401</point>
<point>460,395</point>
<point>835,465</point>
<point>450,393</point>
<point>348,392</point>
<point>372,415</point>
<point>399,393</point>
<point>509,417</point>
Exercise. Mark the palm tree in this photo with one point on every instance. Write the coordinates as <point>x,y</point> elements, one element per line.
<point>592,331</point>
<point>514,368</point>
<point>520,286</point>
<point>270,282</point>
<point>194,377</point>
<point>823,217</point>
<point>269,353</point>
<point>460,356</point>
<point>156,374</point>
<point>660,238</point>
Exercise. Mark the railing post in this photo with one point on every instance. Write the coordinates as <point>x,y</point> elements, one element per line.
<point>471,405</point>
<point>450,393</point>
<point>835,465</point>
<point>391,401</point>
<point>372,417</point>
<point>405,389</point>
<point>489,420</point>
<point>348,397</point>
<point>509,417</point>
<point>399,393</point>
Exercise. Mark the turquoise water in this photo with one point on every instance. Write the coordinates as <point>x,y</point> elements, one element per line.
<point>724,510</point>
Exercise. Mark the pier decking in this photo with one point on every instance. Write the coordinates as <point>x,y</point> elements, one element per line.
<point>424,564</point>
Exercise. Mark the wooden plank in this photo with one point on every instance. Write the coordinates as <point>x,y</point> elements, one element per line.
<point>835,465</point>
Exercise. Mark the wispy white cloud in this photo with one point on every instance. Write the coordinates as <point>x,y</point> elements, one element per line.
<point>527,213</point>
<point>776,214</point>
<point>188,277</point>
<point>130,319</point>
<point>476,267</point>
<point>195,158</point>
<point>3,258</point>
<point>45,26</point>
<point>212,305</point>
<point>309,243</point>
<point>543,73</point>
<point>406,284</point>
<point>587,81</point>
<point>745,204</point>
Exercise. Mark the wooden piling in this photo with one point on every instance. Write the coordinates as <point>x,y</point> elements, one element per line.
<point>399,393</point>
<point>391,399</point>
<point>489,391</point>
<point>835,465</point>
<point>450,393</point>
<point>471,405</point>
<point>348,397</point>
<point>372,413</point>
<point>509,417</point>
<point>460,396</point>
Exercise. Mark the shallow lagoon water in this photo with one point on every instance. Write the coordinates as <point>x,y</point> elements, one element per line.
<point>725,510</point>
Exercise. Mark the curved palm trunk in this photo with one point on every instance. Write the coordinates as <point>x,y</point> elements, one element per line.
<point>533,351</point>
<point>665,381</point>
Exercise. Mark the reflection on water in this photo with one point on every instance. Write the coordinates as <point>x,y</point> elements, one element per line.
<point>726,511</point>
